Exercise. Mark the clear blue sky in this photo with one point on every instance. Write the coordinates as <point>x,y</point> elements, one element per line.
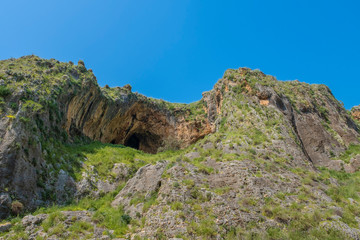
<point>176,49</point>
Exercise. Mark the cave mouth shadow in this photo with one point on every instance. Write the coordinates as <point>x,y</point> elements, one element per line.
<point>144,141</point>
<point>133,142</point>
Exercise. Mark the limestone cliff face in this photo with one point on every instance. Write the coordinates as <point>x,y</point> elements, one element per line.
<point>320,124</point>
<point>46,103</point>
<point>132,120</point>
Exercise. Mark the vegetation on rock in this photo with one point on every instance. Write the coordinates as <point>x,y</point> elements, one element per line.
<point>255,158</point>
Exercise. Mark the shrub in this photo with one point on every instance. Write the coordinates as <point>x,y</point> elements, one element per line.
<point>32,106</point>
<point>324,113</point>
<point>24,119</point>
<point>125,218</point>
<point>4,91</point>
<point>81,62</point>
<point>13,106</point>
<point>2,76</point>
<point>16,207</point>
<point>177,206</point>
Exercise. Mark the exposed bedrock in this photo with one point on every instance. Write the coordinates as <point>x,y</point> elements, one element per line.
<point>133,121</point>
<point>321,131</point>
<point>355,112</point>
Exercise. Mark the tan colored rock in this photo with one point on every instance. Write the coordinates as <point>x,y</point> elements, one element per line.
<point>264,102</point>
<point>135,122</point>
<point>355,112</point>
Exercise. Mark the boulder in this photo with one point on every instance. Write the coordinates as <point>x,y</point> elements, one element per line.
<point>355,162</point>
<point>192,155</point>
<point>351,233</point>
<point>5,227</point>
<point>31,220</point>
<point>146,180</point>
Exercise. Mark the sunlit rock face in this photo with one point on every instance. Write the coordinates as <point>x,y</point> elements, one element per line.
<point>355,112</point>
<point>134,120</point>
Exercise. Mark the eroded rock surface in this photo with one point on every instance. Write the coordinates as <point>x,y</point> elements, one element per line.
<point>146,181</point>
<point>355,112</point>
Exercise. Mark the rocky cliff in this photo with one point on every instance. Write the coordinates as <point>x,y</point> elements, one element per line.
<point>45,101</point>
<point>244,161</point>
<point>355,112</point>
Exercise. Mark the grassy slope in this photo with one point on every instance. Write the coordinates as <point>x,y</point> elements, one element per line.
<point>300,223</point>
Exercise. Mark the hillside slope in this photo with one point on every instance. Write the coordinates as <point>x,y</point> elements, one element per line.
<point>255,157</point>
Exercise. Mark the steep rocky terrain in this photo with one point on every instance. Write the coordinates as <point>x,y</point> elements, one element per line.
<point>255,158</point>
<point>355,112</point>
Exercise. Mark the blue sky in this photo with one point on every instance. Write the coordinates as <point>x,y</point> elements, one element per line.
<point>177,49</point>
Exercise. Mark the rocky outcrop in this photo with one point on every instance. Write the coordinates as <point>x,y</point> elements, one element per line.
<point>350,233</point>
<point>132,120</point>
<point>62,103</point>
<point>321,125</point>
<point>5,227</point>
<point>92,185</point>
<point>339,165</point>
<point>355,112</point>
<point>66,221</point>
<point>146,182</point>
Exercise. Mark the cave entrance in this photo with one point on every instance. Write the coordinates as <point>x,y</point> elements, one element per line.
<point>133,142</point>
<point>144,141</point>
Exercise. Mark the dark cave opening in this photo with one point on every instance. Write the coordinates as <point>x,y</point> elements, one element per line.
<point>144,141</point>
<point>133,142</point>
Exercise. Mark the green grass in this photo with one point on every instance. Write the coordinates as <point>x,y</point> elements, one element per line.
<point>351,152</point>
<point>176,206</point>
<point>205,228</point>
<point>80,227</point>
<point>104,215</point>
<point>75,158</point>
<point>349,185</point>
<point>104,156</point>
<point>150,201</point>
